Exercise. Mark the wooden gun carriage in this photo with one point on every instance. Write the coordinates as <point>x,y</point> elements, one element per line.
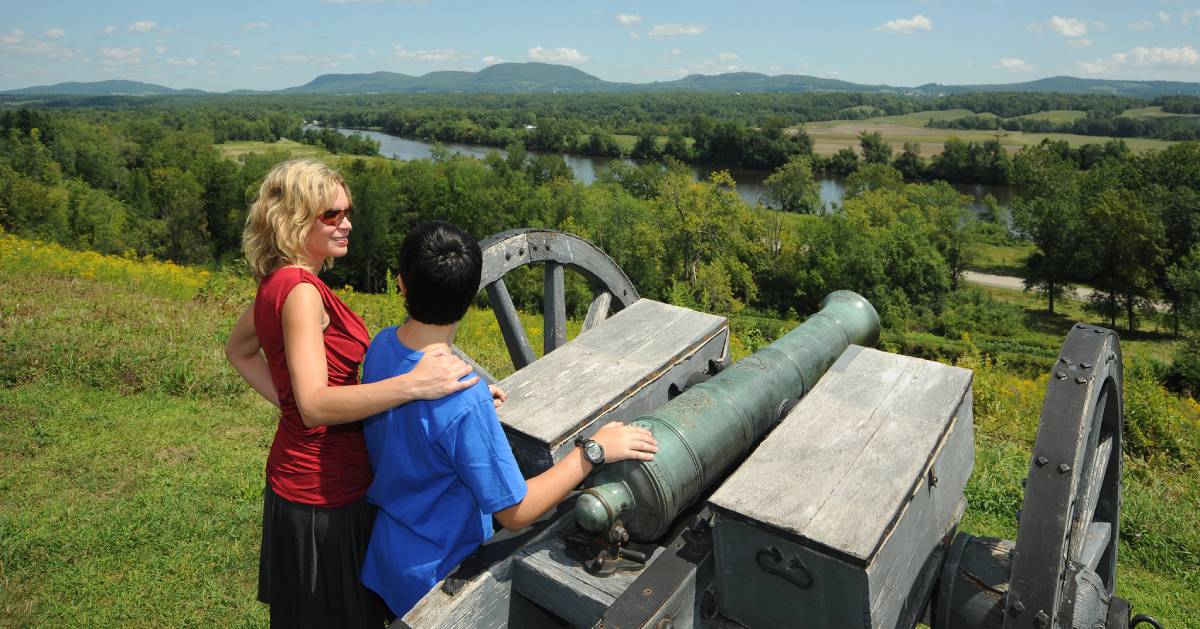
<point>815,483</point>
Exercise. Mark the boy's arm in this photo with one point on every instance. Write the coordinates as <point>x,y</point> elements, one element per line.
<point>549,488</point>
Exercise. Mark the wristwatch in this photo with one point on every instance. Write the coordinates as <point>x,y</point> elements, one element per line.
<point>592,450</point>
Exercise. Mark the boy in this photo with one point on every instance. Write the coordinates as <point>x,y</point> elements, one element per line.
<point>443,468</point>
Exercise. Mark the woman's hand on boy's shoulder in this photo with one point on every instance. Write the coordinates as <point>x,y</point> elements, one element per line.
<point>437,375</point>
<point>622,442</point>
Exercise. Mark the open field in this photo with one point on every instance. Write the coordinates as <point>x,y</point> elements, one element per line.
<point>1154,112</point>
<point>235,149</point>
<point>132,467</point>
<point>831,136</point>
<point>1057,115</point>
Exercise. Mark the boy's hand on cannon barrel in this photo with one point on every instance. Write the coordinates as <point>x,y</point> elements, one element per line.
<point>437,375</point>
<point>623,442</point>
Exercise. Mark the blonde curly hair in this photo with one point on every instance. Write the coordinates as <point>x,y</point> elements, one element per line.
<point>289,200</point>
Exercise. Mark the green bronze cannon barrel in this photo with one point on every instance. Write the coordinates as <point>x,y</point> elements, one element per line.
<point>709,428</point>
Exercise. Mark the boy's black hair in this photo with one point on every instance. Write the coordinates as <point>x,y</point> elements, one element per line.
<point>440,266</point>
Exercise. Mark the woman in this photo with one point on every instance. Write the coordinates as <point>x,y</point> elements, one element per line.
<point>316,521</point>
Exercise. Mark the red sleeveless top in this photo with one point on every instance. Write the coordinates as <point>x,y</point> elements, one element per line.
<point>325,466</point>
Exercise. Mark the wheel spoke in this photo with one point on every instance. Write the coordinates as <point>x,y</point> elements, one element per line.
<point>598,311</point>
<point>1095,479</point>
<point>554,309</point>
<point>1094,543</point>
<point>510,324</point>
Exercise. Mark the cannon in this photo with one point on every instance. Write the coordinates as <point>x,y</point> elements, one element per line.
<point>815,483</point>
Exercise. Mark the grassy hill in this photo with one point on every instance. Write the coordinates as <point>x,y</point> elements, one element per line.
<point>132,463</point>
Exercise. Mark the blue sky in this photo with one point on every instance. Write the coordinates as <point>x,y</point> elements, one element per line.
<point>220,45</point>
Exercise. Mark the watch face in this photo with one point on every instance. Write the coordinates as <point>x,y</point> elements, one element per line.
<point>594,452</point>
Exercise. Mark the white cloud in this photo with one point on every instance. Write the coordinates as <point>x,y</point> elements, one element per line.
<point>160,49</point>
<point>253,25</point>
<point>1164,17</point>
<point>54,33</point>
<point>634,35</point>
<point>16,42</point>
<point>143,26</point>
<point>1035,27</point>
<point>492,60</point>
<point>1069,26</point>
<point>1186,17</point>
<point>675,52</point>
<point>183,62</point>
<point>1157,61</point>
<point>295,57</point>
<point>434,54</point>
<point>122,56</point>
<point>727,56</point>
<point>629,19</point>
<point>557,55</point>
<point>910,25</point>
<point>109,30</point>
<point>228,50</point>
<point>1012,64</point>
<point>1141,25</point>
<point>673,30</point>
<point>1079,43</point>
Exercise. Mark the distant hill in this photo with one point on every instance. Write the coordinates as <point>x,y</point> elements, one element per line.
<point>502,77</point>
<point>1073,85</point>
<point>547,77</point>
<point>103,88</point>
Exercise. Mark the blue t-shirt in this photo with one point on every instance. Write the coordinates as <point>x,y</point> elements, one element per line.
<point>441,468</point>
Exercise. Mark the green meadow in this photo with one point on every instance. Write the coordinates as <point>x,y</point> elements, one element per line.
<point>132,468</point>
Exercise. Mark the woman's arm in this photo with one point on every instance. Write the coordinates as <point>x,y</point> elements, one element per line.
<point>436,375</point>
<point>244,353</point>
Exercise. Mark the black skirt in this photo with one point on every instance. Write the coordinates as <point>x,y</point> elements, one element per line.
<point>310,564</point>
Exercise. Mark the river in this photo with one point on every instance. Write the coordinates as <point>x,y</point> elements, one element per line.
<point>585,167</point>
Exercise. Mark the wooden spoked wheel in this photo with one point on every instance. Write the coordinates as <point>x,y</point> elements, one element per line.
<point>556,251</point>
<point>1065,562</point>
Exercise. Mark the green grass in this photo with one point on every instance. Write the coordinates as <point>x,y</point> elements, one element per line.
<point>233,150</point>
<point>132,463</point>
<point>1154,112</point>
<point>1002,259</point>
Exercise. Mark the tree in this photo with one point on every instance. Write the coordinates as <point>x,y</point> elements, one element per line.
<point>874,149</point>
<point>843,162</point>
<point>646,146</point>
<point>909,162</point>
<point>1050,215</point>
<point>792,189</point>
<point>873,176</point>
<point>1126,239</point>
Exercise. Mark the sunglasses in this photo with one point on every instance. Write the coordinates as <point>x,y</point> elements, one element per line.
<point>334,217</point>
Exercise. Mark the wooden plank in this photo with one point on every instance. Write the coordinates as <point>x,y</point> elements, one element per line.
<point>557,395</point>
<point>842,439</point>
<point>544,574</point>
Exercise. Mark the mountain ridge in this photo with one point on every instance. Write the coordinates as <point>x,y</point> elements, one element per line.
<point>535,77</point>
